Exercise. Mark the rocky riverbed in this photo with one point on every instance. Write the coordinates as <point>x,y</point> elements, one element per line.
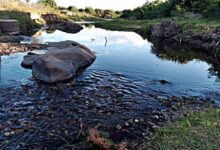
<point>62,115</point>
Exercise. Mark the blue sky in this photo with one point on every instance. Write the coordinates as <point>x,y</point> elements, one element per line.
<point>103,4</point>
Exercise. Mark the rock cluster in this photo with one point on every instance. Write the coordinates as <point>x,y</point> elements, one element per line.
<point>172,32</point>
<point>55,22</point>
<point>61,62</point>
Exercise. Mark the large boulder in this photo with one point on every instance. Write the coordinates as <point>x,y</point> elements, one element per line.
<point>9,26</point>
<point>166,29</point>
<point>61,62</point>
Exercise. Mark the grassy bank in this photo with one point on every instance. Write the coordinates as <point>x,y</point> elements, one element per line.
<point>198,131</point>
<point>190,26</point>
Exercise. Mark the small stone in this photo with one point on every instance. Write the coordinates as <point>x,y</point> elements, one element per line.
<point>127,124</point>
<point>7,133</point>
<point>119,127</point>
<point>136,120</point>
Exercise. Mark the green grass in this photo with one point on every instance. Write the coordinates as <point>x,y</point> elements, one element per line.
<point>198,131</point>
<point>190,26</point>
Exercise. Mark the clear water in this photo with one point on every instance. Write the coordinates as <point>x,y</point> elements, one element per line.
<point>129,54</point>
<point>11,72</point>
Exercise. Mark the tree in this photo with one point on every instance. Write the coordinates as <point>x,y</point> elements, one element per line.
<point>90,10</point>
<point>73,8</point>
<point>50,3</point>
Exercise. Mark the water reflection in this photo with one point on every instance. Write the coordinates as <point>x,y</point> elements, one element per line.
<point>129,54</point>
<point>184,54</point>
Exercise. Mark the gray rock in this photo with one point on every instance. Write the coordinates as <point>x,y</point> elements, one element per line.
<point>166,29</point>
<point>28,61</point>
<point>51,69</point>
<point>61,62</point>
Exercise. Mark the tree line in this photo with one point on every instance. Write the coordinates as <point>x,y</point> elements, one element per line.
<point>168,8</point>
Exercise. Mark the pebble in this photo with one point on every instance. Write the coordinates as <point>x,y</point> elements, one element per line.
<point>136,120</point>
<point>119,127</point>
<point>9,133</point>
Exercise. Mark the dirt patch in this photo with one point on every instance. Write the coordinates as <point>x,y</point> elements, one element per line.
<point>9,48</point>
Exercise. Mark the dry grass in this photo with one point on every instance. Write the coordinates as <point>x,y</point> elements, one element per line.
<point>122,146</point>
<point>96,138</point>
<point>16,5</point>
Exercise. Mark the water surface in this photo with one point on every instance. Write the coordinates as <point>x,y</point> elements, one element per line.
<point>136,58</point>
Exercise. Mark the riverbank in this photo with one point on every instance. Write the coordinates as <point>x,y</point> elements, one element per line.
<point>197,131</point>
<point>201,34</point>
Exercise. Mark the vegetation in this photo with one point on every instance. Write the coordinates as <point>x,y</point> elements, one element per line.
<point>50,3</point>
<point>73,9</point>
<point>161,8</point>
<point>198,131</point>
<point>16,5</point>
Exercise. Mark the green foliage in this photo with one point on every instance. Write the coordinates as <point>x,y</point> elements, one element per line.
<point>73,8</point>
<point>198,131</point>
<point>50,3</point>
<point>102,13</point>
<point>126,13</point>
<point>160,9</point>
<point>90,10</point>
<point>99,12</point>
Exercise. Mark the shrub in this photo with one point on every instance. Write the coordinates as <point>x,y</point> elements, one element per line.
<point>73,9</point>
<point>50,3</point>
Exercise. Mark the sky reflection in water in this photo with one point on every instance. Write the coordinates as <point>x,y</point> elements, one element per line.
<point>126,53</point>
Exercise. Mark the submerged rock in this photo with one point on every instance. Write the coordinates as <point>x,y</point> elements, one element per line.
<point>61,62</point>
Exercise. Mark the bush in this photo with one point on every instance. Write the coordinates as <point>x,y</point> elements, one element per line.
<point>159,9</point>
<point>90,10</point>
<point>50,3</point>
<point>73,9</point>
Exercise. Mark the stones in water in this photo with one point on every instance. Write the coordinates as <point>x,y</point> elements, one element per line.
<point>9,26</point>
<point>61,62</point>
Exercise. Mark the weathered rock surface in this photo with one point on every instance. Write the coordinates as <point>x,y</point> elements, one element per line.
<point>166,29</point>
<point>9,26</point>
<point>61,62</point>
<point>66,26</point>
<point>171,32</point>
<point>55,22</point>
